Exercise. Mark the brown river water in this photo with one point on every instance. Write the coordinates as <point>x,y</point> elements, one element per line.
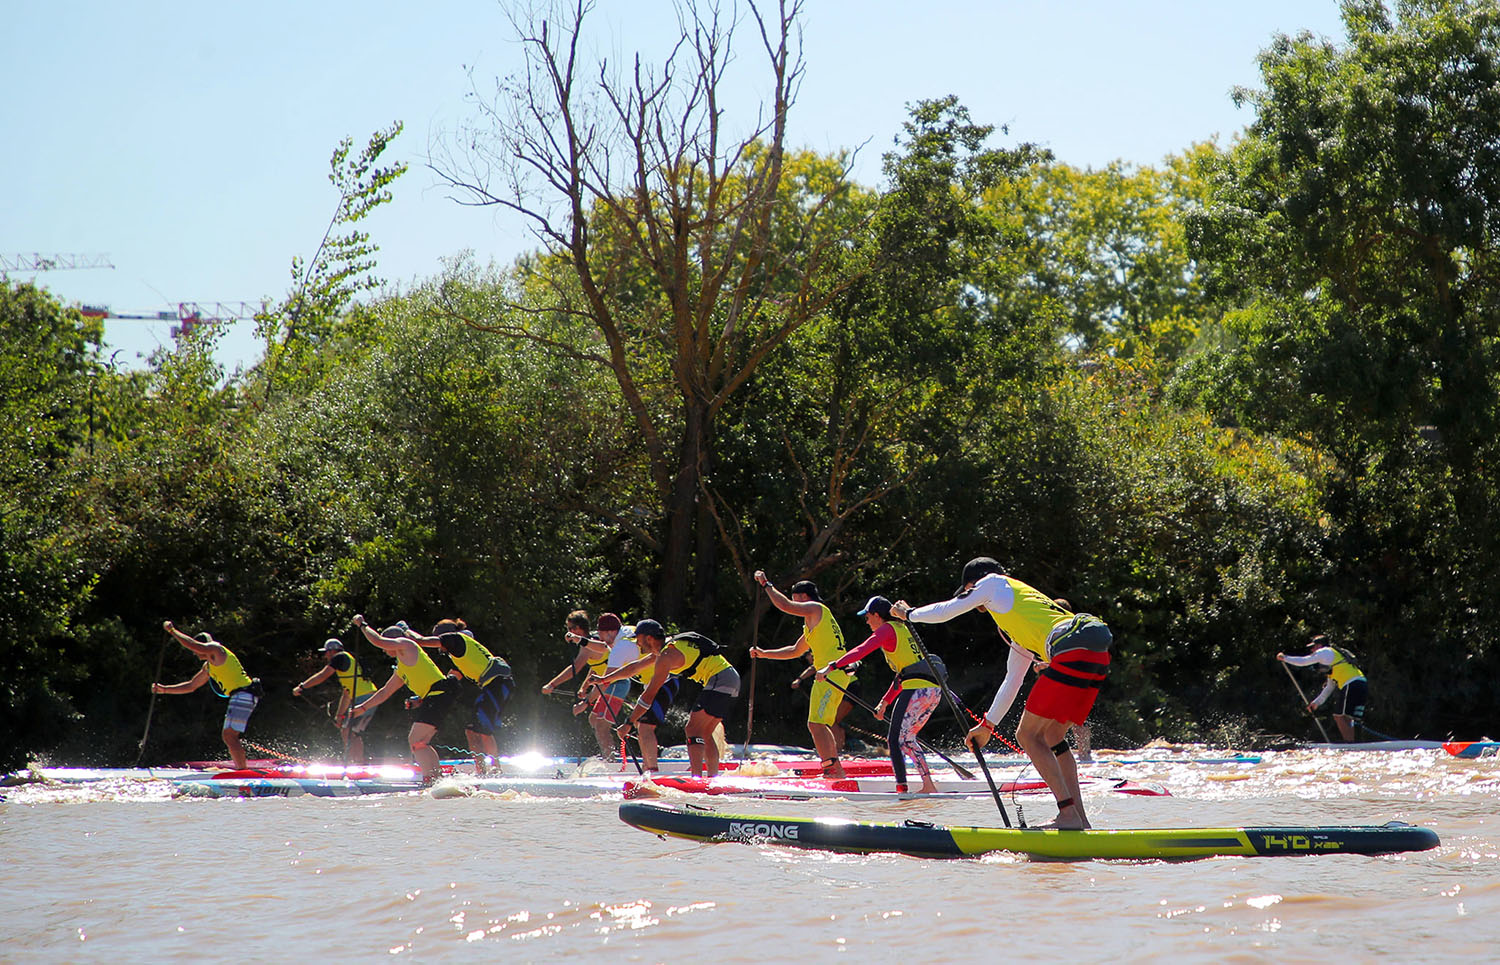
<point>122,871</point>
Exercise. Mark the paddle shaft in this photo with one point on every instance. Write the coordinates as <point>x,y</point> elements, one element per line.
<point>958,713</point>
<point>161,660</point>
<point>755,665</point>
<point>962,771</point>
<point>1293,678</point>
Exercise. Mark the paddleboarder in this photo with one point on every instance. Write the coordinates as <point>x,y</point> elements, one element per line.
<point>1343,675</point>
<point>433,694</point>
<point>692,656</point>
<point>487,681</point>
<point>823,640</point>
<point>591,659</point>
<point>609,701</point>
<point>222,669</point>
<point>355,687</point>
<point>1070,652</point>
<point>912,696</point>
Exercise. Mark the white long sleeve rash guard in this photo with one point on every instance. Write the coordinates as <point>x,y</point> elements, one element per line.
<point>994,593</point>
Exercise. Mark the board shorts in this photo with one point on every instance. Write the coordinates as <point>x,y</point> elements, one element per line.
<point>718,693</point>
<point>1355,693</point>
<point>241,705</point>
<point>656,714</point>
<point>433,708</point>
<point>488,705</point>
<point>1067,689</point>
<point>611,700</point>
<point>359,724</point>
<point>823,699</point>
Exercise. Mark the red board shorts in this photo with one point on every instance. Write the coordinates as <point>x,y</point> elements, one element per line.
<point>607,705</point>
<point>1067,689</point>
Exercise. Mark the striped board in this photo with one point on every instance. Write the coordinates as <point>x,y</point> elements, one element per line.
<point>1473,749</point>
<point>290,787</point>
<point>922,840</point>
<point>860,789</point>
<point>89,775</point>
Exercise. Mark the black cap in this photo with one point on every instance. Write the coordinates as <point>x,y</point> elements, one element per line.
<point>650,628</point>
<point>878,605</point>
<point>976,569</point>
<point>805,586</point>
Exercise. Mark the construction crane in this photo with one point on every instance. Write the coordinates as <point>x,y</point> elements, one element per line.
<point>36,261</point>
<point>188,314</point>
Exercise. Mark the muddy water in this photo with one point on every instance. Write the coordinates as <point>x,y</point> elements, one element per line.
<point>124,871</point>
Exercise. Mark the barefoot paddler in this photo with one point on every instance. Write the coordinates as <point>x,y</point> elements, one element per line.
<point>823,640</point>
<point>488,682</point>
<point>222,669</point>
<point>1070,652</point>
<point>912,696</point>
<point>355,688</point>
<point>1343,675</point>
<point>433,694</point>
<point>694,657</point>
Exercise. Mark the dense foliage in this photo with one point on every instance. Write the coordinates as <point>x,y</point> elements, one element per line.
<point>1226,402</point>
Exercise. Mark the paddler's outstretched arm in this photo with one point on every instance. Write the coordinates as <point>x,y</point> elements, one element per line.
<point>391,646</point>
<point>590,647</point>
<point>667,661</point>
<point>627,670</point>
<point>186,687</point>
<point>783,653</point>
<point>380,696</point>
<point>314,680</point>
<point>1015,674</point>
<point>1329,686</point>
<point>212,652</point>
<point>809,610</point>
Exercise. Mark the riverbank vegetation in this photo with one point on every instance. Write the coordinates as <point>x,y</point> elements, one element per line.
<point>1226,402</point>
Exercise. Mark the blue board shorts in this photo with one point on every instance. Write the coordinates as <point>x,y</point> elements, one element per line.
<point>241,706</point>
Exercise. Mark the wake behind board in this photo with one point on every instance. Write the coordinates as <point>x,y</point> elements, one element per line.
<point>923,840</point>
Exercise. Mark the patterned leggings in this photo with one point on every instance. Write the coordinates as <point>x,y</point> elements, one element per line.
<point>908,714</point>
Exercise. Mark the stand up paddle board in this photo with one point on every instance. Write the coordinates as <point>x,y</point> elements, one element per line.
<point>290,787</point>
<point>1471,749</point>
<point>922,840</point>
<point>1391,745</point>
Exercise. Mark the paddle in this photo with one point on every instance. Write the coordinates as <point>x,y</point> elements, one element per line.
<point>984,766</point>
<point>750,713</point>
<point>962,771</point>
<point>160,662</point>
<point>1293,678</point>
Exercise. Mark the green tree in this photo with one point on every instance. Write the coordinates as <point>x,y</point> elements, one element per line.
<point>340,268</point>
<point>1354,226</point>
<point>48,361</point>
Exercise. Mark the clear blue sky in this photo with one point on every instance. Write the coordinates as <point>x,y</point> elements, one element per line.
<point>189,142</point>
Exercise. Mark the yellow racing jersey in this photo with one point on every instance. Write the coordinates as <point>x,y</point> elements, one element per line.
<point>421,676</point>
<point>826,640</point>
<point>228,676</point>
